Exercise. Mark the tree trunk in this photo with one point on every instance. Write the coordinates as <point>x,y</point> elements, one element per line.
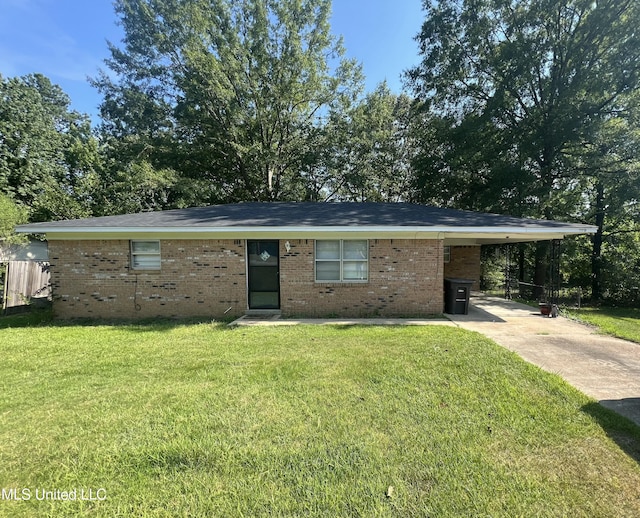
<point>521,263</point>
<point>523,290</point>
<point>540,273</point>
<point>596,251</point>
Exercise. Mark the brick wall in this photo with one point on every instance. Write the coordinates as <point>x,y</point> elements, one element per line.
<point>197,278</point>
<point>464,264</point>
<point>405,279</point>
<point>208,278</point>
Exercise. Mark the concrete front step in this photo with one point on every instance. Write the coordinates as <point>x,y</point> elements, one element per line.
<point>262,313</point>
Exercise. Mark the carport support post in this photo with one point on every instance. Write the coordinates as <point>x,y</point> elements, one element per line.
<point>541,270</point>
<point>507,273</point>
<point>554,272</point>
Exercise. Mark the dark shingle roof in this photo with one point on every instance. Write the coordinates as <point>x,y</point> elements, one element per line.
<point>307,214</point>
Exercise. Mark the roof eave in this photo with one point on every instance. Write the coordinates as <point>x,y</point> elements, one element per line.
<point>474,235</point>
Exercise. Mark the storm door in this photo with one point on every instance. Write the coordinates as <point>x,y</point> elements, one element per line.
<point>264,275</point>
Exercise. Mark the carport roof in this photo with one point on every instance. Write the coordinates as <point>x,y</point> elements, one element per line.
<point>312,220</point>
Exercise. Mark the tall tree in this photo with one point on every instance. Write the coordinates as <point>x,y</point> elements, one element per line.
<point>47,153</point>
<point>10,216</point>
<point>606,192</point>
<point>226,91</point>
<point>518,89</point>
<point>371,149</point>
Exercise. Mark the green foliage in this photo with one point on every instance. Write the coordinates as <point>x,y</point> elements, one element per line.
<point>621,322</point>
<point>532,110</point>
<point>10,215</point>
<point>47,154</point>
<point>620,282</point>
<point>370,152</point>
<point>135,187</point>
<point>226,92</point>
<point>523,89</point>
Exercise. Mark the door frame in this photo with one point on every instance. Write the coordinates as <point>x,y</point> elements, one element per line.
<point>249,276</point>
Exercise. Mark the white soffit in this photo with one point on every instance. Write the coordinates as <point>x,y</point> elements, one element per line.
<point>451,235</point>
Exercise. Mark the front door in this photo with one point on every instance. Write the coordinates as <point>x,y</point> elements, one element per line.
<point>264,274</point>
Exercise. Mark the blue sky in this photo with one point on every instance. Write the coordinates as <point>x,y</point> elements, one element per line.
<point>66,40</point>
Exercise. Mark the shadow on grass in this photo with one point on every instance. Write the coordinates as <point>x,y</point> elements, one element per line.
<point>359,326</point>
<point>45,318</point>
<point>37,318</point>
<point>172,459</point>
<point>624,432</point>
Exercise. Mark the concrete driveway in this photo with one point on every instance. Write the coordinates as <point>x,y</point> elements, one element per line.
<point>605,368</point>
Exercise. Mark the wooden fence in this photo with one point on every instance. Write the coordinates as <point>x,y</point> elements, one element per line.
<point>26,283</point>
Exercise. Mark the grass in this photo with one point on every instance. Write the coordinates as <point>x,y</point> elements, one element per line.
<point>28,319</point>
<point>200,420</point>
<point>620,322</point>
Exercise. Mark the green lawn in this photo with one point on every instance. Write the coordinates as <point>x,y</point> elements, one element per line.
<point>620,322</point>
<point>202,420</point>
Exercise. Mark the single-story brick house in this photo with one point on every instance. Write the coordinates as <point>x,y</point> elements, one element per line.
<point>304,259</point>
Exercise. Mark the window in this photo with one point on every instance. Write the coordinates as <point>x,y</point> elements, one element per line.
<point>447,254</point>
<point>145,255</point>
<point>342,261</point>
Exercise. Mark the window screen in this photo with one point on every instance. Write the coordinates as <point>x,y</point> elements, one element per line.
<point>145,255</point>
<point>342,261</point>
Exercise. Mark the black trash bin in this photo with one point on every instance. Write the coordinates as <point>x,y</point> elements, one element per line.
<point>456,296</point>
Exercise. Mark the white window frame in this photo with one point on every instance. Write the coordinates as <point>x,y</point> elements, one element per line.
<point>446,254</point>
<point>342,260</point>
<point>134,254</point>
